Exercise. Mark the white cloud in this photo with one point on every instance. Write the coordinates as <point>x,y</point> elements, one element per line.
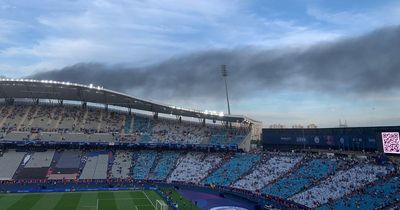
<point>7,29</point>
<point>118,32</point>
<point>358,20</point>
<point>144,32</point>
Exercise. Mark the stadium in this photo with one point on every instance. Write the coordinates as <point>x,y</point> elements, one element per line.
<point>72,146</point>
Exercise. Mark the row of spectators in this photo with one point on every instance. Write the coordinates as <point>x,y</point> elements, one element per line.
<point>52,123</point>
<point>315,181</point>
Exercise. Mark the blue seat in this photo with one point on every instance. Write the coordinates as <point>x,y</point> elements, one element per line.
<point>301,178</point>
<point>232,170</point>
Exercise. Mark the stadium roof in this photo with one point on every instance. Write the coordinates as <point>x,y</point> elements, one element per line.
<point>47,89</point>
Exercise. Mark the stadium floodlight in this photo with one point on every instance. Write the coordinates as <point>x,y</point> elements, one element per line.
<point>224,72</point>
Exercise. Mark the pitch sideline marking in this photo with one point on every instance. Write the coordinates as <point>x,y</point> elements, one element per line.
<point>149,199</point>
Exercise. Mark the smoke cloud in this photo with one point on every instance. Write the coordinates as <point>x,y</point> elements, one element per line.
<point>361,65</point>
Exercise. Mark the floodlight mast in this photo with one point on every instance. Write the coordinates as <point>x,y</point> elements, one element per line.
<point>224,72</point>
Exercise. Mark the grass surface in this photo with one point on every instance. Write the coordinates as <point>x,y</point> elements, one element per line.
<point>177,198</point>
<point>105,200</point>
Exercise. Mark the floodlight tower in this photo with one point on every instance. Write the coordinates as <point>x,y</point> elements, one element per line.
<point>224,75</point>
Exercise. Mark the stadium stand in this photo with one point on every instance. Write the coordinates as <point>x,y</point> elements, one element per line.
<point>96,165</point>
<point>9,163</point>
<point>169,131</point>
<point>67,165</point>
<point>301,178</point>
<point>165,162</point>
<point>112,122</point>
<point>50,136</point>
<point>235,167</point>
<point>377,196</point>
<point>314,181</point>
<point>195,166</point>
<point>142,124</point>
<point>92,120</point>
<point>35,165</point>
<point>41,118</point>
<point>40,159</point>
<point>128,124</point>
<point>48,122</point>
<point>13,117</point>
<point>122,165</point>
<point>17,135</point>
<point>68,145</point>
<point>269,169</point>
<point>342,183</point>
<point>143,161</point>
<point>69,118</point>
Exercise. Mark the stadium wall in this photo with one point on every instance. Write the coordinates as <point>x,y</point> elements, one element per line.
<point>350,138</point>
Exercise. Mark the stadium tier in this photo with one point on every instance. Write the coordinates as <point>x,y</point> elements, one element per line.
<point>76,124</point>
<point>310,180</point>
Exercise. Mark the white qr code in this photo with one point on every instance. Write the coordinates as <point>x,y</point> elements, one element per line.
<point>391,142</point>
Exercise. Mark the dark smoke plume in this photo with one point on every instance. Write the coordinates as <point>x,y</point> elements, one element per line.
<point>361,65</point>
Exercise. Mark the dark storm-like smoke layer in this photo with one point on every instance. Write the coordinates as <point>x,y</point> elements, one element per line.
<point>361,65</point>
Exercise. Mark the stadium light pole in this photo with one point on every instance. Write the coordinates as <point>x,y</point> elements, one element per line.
<point>224,75</point>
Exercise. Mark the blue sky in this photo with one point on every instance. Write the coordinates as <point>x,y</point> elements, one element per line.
<point>43,35</point>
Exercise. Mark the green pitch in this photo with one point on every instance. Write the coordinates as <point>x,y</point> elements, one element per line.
<point>105,200</point>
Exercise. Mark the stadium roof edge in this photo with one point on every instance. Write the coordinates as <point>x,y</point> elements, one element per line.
<point>56,90</point>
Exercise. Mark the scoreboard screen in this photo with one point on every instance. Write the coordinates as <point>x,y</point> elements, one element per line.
<point>391,142</point>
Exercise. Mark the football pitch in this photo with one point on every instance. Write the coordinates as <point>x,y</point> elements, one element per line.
<point>104,200</point>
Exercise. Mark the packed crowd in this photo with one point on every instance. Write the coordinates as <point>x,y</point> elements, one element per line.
<point>315,181</point>
<point>310,171</point>
<point>269,169</point>
<point>234,167</point>
<point>195,166</point>
<point>377,195</point>
<point>340,184</point>
<point>74,123</point>
<point>164,163</point>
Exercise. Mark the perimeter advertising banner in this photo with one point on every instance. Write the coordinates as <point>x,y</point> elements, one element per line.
<point>384,139</point>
